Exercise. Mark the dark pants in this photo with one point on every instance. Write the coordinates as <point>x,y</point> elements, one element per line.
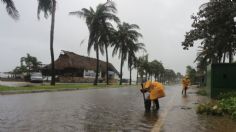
<point>148,104</point>
<point>184,91</point>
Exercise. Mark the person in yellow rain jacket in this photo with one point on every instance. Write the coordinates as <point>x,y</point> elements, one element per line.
<point>185,82</point>
<point>156,90</point>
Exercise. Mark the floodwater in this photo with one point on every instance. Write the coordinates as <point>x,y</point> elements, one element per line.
<point>101,110</point>
<point>182,117</point>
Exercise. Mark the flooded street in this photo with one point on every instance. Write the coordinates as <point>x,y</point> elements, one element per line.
<point>180,116</point>
<point>115,109</point>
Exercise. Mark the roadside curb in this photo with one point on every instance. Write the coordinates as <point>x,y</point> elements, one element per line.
<point>55,90</point>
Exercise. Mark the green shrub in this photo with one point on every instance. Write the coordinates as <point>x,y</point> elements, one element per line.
<point>226,105</point>
<point>234,115</point>
<point>229,105</point>
<point>211,108</point>
<point>227,95</point>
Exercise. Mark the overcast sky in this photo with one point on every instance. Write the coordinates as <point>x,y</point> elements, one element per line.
<point>163,24</point>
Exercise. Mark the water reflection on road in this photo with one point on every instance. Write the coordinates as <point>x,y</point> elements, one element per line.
<point>88,110</point>
<point>182,117</point>
<point>116,109</point>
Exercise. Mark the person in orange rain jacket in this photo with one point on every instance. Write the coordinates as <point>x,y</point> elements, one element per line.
<point>185,82</point>
<point>156,90</point>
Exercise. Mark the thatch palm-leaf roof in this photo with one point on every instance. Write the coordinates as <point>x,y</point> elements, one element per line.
<point>71,60</point>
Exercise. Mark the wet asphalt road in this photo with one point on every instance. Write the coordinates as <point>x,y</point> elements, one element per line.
<point>115,109</point>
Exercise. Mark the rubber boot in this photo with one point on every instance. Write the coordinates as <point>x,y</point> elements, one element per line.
<point>185,91</point>
<point>156,102</point>
<point>147,105</point>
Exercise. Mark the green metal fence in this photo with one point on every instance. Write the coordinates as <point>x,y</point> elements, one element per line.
<point>221,78</point>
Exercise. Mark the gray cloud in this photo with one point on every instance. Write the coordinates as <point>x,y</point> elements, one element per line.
<point>163,24</point>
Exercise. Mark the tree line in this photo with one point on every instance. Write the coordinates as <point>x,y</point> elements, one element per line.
<point>105,30</point>
<point>154,70</point>
<point>214,27</point>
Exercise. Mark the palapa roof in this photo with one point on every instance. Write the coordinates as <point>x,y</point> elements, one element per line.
<point>71,60</point>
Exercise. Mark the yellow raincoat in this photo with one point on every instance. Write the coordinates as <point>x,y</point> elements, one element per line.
<point>185,82</point>
<point>156,89</point>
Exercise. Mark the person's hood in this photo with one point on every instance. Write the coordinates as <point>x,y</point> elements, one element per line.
<point>147,84</point>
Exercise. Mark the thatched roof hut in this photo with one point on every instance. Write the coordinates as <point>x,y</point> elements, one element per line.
<point>69,60</point>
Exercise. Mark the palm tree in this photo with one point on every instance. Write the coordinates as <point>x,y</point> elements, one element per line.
<point>107,31</point>
<point>11,9</point>
<point>99,29</point>
<point>145,66</point>
<point>169,75</point>
<point>131,62</point>
<point>49,8</point>
<point>105,40</point>
<point>126,33</point>
<point>156,68</point>
<point>140,66</point>
<point>133,48</point>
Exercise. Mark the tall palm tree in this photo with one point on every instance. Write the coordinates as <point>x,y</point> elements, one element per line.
<point>99,28</point>
<point>106,39</point>
<point>11,9</point>
<point>133,49</point>
<point>107,32</point>
<point>49,8</point>
<point>131,63</point>
<point>126,33</point>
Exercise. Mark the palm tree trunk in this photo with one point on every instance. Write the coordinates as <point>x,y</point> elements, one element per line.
<point>230,56</point>
<point>106,45</point>
<point>130,75</point>
<point>146,76</point>
<point>141,78</point>
<point>220,58</point>
<point>224,57</point>
<point>161,78</point>
<point>121,68</point>
<point>137,77</point>
<point>97,67</point>
<point>107,64</point>
<point>51,42</point>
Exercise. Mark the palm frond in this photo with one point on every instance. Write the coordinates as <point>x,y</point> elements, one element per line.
<point>77,13</point>
<point>11,9</point>
<point>101,31</point>
<point>45,6</point>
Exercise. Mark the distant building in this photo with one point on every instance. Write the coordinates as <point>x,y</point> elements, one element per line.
<point>4,75</point>
<point>9,76</point>
<point>71,67</point>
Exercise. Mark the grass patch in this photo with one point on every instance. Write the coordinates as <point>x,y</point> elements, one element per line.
<point>227,95</point>
<point>57,87</point>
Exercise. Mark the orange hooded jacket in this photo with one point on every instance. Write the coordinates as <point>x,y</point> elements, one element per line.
<point>156,89</point>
